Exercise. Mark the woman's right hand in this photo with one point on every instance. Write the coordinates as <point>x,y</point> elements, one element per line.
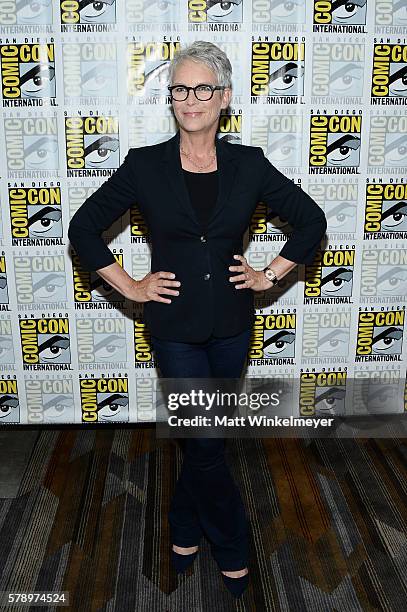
<point>152,285</point>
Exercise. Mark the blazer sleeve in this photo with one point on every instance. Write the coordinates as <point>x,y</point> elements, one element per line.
<point>292,204</point>
<point>99,211</point>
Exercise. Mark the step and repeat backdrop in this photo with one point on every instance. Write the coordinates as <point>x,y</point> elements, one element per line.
<point>320,86</point>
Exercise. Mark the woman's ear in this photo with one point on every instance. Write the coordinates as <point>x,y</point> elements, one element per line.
<point>227,96</point>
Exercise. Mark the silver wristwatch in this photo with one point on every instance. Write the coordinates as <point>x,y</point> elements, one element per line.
<point>270,275</point>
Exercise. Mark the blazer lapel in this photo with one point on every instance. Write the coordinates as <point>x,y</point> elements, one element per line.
<point>227,169</point>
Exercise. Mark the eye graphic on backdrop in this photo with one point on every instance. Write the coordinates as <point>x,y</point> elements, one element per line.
<point>53,348</point>
<point>287,11</point>
<point>335,281</point>
<point>217,10</point>
<point>7,404</point>
<point>44,221</point>
<point>91,10</point>
<point>108,348</point>
<point>58,406</point>
<point>395,152</point>
<point>34,11</point>
<point>285,79</point>
<point>100,151</point>
<point>6,349</point>
<point>388,339</point>
<point>340,216</point>
<point>101,290</point>
<point>395,217</point>
<point>37,81</point>
<point>159,9</point>
<point>101,77</point>
<point>330,401</point>
<point>335,342</point>
<point>232,138</point>
<point>156,79</point>
<point>392,282</point>
<point>276,222</point>
<point>349,76</point>
<point>277,343</point>
<point>400,12</point>
<point>398,82</point>
<point>344,151</point>
<point>50,288</point>
<point>3,282</point>
<point>348,12</point>
<point>42,153</point>
<point>286,150</point>
<point>112,406</point>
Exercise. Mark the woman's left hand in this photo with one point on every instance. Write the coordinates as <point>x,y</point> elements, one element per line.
<point>251,279</point>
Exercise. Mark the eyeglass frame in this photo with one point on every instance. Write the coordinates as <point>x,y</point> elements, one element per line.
<point>213,88</point>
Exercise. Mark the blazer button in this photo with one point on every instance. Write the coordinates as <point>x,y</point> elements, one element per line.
<point>203,238</point>
<point>207,276</point>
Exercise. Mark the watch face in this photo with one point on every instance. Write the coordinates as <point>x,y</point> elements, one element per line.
<point>270,275</point>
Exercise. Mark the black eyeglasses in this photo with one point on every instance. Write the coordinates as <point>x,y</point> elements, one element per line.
<point>202,92</point>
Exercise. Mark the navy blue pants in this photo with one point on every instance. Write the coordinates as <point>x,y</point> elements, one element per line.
<point>206,498</point>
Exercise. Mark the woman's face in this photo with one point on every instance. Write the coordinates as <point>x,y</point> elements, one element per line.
<point>192,114</point>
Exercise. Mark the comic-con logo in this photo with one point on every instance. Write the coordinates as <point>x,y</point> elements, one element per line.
<point>40,279</point>
<point>339,16</point>
<point>7,354</point>
<point>329,279</point>
<point>147,68</point>
<point>151,11</point>
<point>90,288</point>
<point>25,13</point>
<point>390,13</point>
<point>50,398</point>
<point>86,15</point>
<point>389,74</point>
<point>45,341</point>
<point>340,204</point>
<point>35,213</point>
<point>280,137</point>
<point>387,144</point>
<point>335,143</point>
<point>273,339</point>
<point>147,128</point>
<point>385,211</point>
<point>322,393</point>
<point>101,340</point>
<point>337,70</point>
<point>104,399</point>
<point>27,72</point>
<point>230,128</point>
<point>202,11</point>
<point>325,336</point>
<point>380,335</point>
<point>277,70</point>
<point>143,352</point>
<point>138,228</point>
<point>274,12</point>
<point>376,392</point>
<point>267,226</point>
<point>90,70</point>
<point>31,146</point>
<point>92,145</point>
<point>4,297</point>
<point>383,274</point>
<point>9,401</point>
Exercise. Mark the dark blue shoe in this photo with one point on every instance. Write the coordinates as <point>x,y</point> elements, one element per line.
<point>182,562</point>
<point>236,585</point>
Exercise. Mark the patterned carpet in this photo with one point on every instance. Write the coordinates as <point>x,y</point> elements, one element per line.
<point>328,524</point>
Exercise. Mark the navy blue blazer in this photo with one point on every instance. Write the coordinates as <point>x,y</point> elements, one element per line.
<point>152,178</point>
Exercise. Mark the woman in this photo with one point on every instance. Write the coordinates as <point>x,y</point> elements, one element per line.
<point>197,195</point>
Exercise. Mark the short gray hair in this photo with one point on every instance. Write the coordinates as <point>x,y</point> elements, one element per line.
<point>207,53</point>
